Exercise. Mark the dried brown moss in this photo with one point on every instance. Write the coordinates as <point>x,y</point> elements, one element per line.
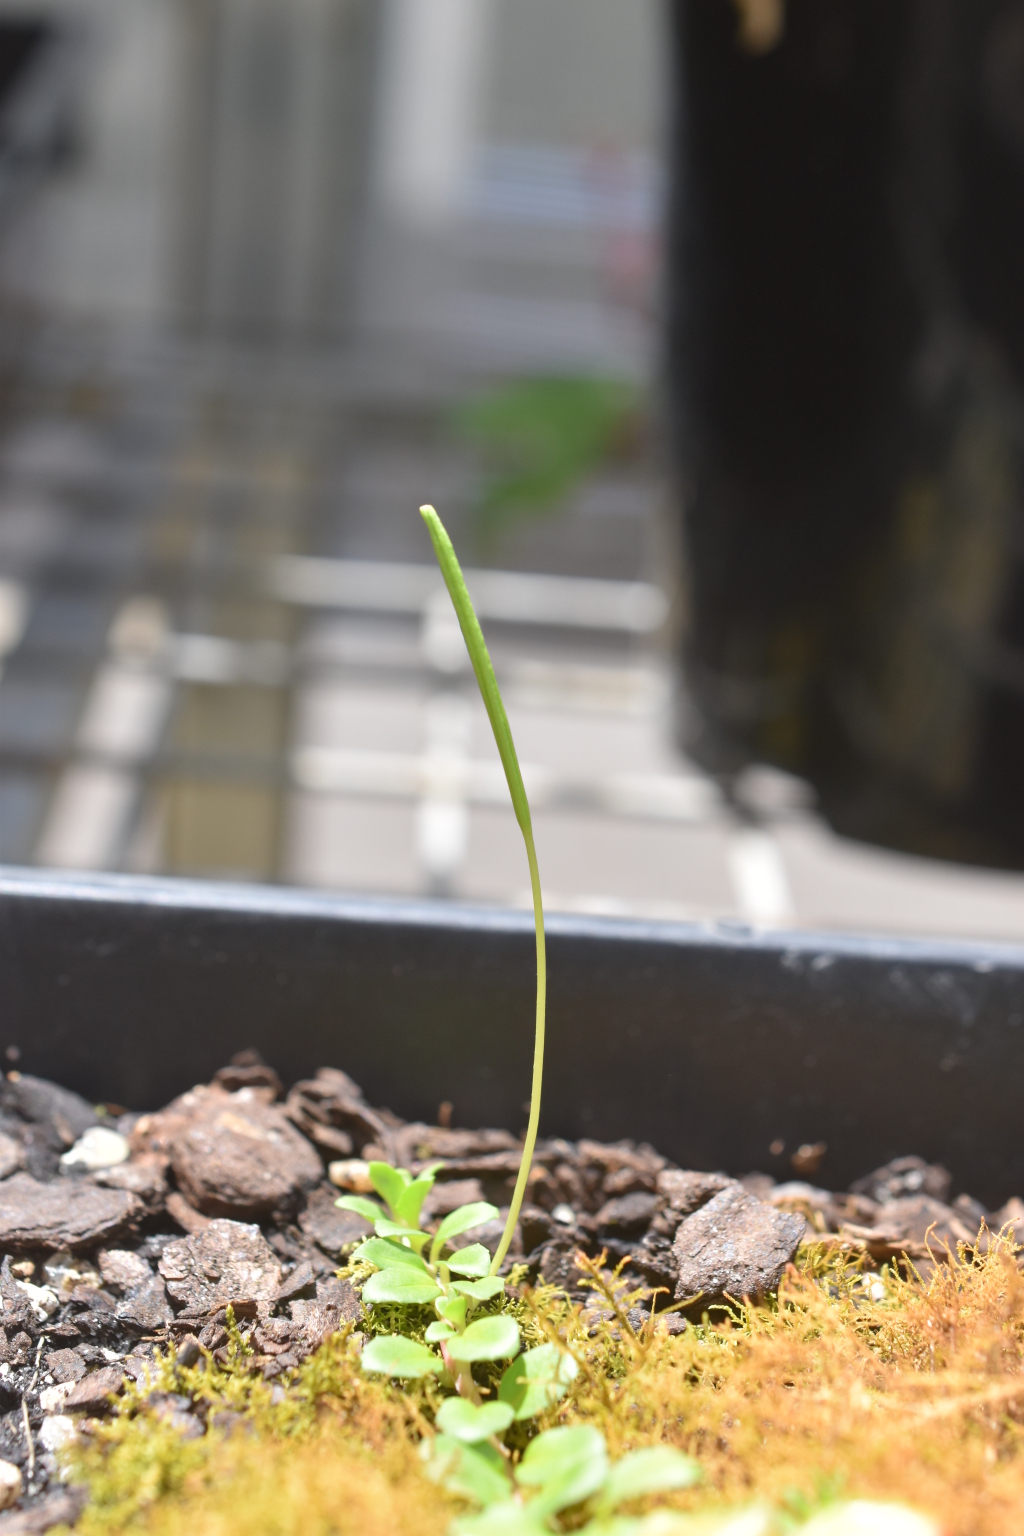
<point>916,1396</point>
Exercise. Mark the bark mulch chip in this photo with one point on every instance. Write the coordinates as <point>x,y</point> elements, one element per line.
<point>228,1261</point>
<point>734,1246</point>
<point>63,1213</point>
<point>94,1392</point>
<point>94,1277</point>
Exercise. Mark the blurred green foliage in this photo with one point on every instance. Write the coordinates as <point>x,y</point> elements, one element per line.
<point>540,438</point>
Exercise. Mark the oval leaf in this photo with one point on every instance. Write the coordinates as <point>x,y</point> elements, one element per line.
<point>537,1379</point>
<point>401,1284</point>
<point>462,1220</point>
<point>566,1464</point>
<point>657,1469</point>
<point>395,1356</point>
<point>362,1207</point>
<point>492,1338</point>
<point>385,1227</point>
<point>556,1451</point>
<point>508,1518</point>
<point>385,1254</point>
<point>475,1471</point>
<point>454,1308</point>
<point>467,1422</point>
<point>389,1182</point>
<point>438,1331</point>
<point>410,1202</point>
<point>473,1261</point>
<point>480,1290</point>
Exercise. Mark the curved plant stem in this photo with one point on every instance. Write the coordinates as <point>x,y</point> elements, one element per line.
<point>491,695</point>
<point>538,1060</point>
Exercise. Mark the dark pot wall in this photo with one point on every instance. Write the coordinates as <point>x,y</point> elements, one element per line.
<point>710,1042</point>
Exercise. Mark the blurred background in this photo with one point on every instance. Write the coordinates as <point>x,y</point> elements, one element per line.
<point>699,322</point>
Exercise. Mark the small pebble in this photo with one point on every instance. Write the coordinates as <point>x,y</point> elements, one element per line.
<point>10,1484</point>
<point>57,1431</point>
<point>564,1215</point>
<point>99,1147</point>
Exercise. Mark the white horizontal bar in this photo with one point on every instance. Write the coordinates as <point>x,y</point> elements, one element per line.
<point>405,776</point>
<point>514,597</point>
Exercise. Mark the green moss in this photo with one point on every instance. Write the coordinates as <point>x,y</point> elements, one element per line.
<point>917,1397</point>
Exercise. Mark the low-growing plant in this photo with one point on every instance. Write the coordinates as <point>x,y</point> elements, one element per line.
<point>560,1469</point>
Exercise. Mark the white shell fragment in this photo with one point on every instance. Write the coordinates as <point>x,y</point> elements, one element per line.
<point>98,1147</point>
<point>44,1301</point>
<point>351,1173</point>
<point>10,1484</point>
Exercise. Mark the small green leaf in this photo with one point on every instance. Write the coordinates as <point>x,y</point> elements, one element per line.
<point>462,1220</point>
<point>567,1464</point>
<point>389,1183</point>
<point>556,1450</point>
<point>507,1518</point>
<point>467,1422</point>
<point>401,1284</point>
<point>391,1355</point>
<point>410,1202</point>
<point>473,1261</point>
<point>368,1208</point>
<point>475,1471</point>
<point>537,1379</point>
<point>384,1253</point>
<point>657,1469</point>
<point>492,1338</point>
<point>454,1308</point>
<point>480,1290</point>
<point>385,1227</point>
<point>438,1331</point>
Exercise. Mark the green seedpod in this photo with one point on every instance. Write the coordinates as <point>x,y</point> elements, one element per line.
<point>391,1355</point>
<point>537,1379</point>
<point>362,1207</point>
<point>385,1253</point>
<point>401,1284</point>
<point>491,695</point>
<point>480,1290</point>
<point>470,1422</point>
<point>491,1338</point>
<point>473,1262</point>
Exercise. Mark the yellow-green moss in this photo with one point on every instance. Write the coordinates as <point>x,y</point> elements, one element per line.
<point>917,1396</point>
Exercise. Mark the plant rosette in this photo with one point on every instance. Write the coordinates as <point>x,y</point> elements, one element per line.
<point>456,1282</point>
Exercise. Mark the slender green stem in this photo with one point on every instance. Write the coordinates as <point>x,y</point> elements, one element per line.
<point>538,1059</point>
<point>491,695</point>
